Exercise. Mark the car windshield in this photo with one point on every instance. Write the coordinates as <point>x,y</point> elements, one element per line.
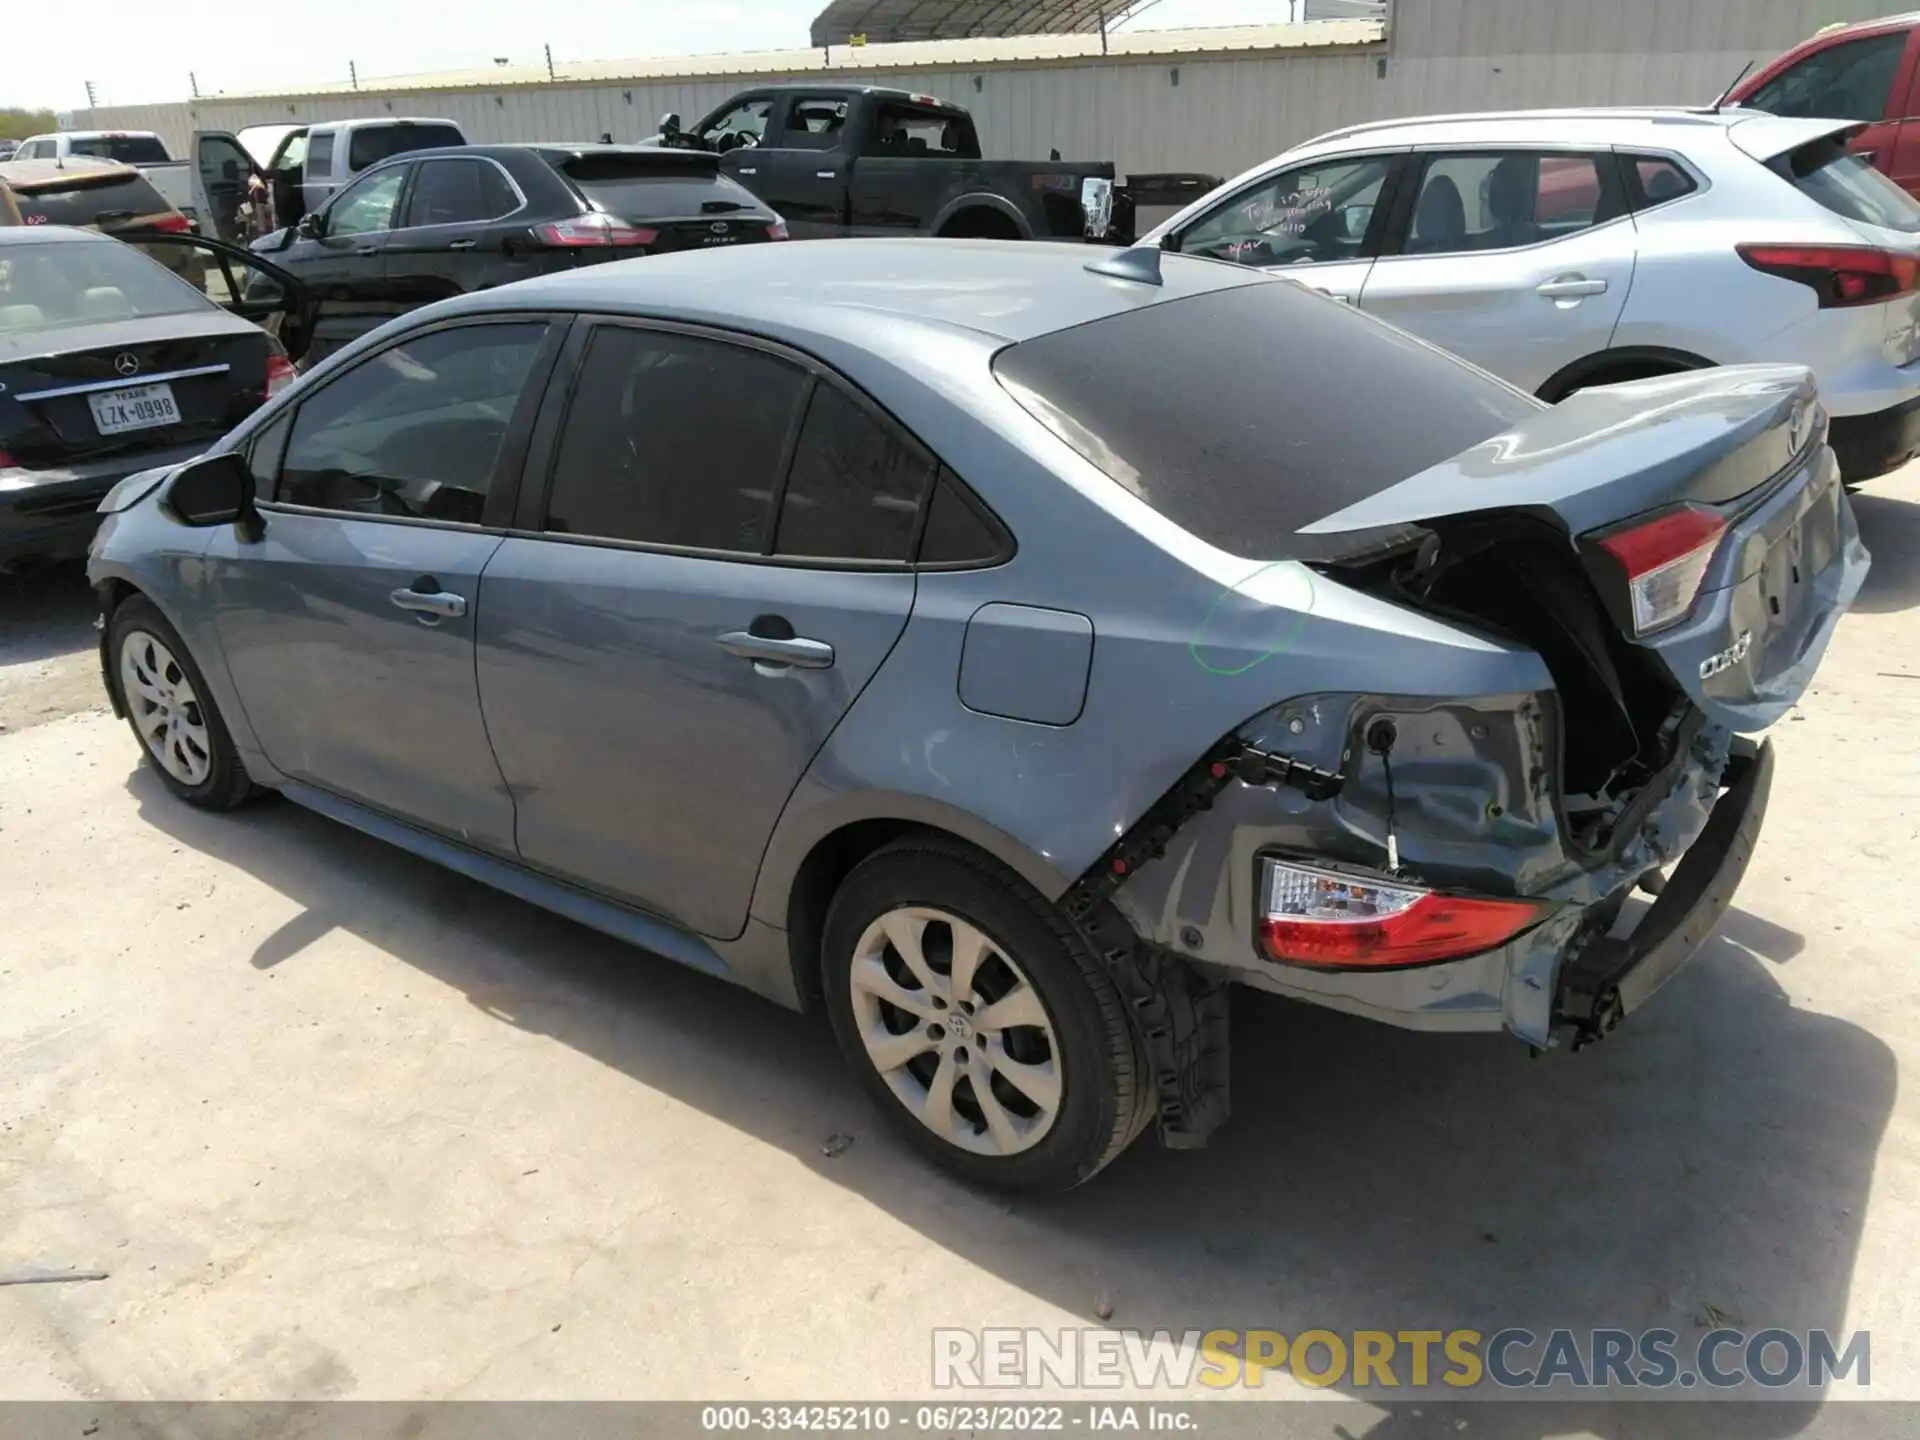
<point>1247,412</point>
<point>50,284</point>
<point>1831,175</point>
<point>128,149</point>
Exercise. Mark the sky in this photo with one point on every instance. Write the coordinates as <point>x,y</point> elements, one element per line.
<point>139,51</point>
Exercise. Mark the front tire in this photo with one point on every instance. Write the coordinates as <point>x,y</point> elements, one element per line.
<point>171,711</point>
<point>980,1020</point>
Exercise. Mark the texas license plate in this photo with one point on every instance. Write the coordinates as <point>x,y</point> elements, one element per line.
<point>138,407</point>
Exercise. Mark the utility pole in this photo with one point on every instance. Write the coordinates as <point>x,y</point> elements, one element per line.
<point>193,84</point>
<point>550,74</point>
<point>1103,29</point>
<point>353,74</point>
<point>92,103</point>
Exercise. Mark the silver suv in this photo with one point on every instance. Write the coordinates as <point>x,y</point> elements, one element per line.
<point>1564,249</point>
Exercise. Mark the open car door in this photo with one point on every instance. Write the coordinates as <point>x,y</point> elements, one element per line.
<point>223,168</point>
<point>239,281</point>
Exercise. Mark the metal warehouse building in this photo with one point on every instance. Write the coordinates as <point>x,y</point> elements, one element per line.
<point>1212,100</point>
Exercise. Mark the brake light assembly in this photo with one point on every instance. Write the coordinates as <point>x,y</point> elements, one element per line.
<point>594,230</point>
<point>1331,920</point>
<point>1840,275</point>
<point>175,224</point>
<point>280,373</point>
<point>778,231</point>
<point>1663,562</point>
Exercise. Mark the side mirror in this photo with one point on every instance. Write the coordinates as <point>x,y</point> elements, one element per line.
<point>213,490</point>
<point>311,226</point>
<point>670,123</point>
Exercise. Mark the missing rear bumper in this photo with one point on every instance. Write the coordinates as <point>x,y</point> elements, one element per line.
<point>1611,977</point>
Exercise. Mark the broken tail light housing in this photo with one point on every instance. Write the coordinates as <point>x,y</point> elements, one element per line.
<point>1840,275</point>
<point>594,229</point>
<point>1664,561</point>
<point>1328,920</point>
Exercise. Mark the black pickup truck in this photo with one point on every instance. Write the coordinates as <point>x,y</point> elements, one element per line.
<point>862,160</point>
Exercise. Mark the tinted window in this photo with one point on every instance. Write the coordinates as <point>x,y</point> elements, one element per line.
<point>373,143</point>
<point>263,455</point>
<point>366,206</point>
<point>955,533</point>
<point>1245,413</point>
<point>1501,199</point>
<point>815,122</point>
<point>855,488</point>
<point>44,286</point>
<point>416,430</point>
<point>1847,184</point>
<point>673,440</point>
<point>650,184</point>
<point>902,129</point>
<point>128,149</point>
<point>112,200</point>
<point>1315,212</point>
<point>319,157</point>
<point>1658,180</point>
<point>453,192</point>
<point>1847,81</point>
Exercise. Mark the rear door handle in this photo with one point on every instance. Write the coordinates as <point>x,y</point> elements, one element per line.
<point>462,244</point>
<point>804,653</point>
<point>823,174</point>
<point>748,170</point>
<point>1571,287</point>
<point>431,606</point>
<point>368,250</point>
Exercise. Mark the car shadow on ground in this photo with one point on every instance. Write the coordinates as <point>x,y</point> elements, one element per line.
<point>1708,1165</point>
<point>1891,529</point>
<point>45,612</point>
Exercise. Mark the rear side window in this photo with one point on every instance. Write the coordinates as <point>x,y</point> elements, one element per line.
<point>1245,413</point>
<point>903,129</point>
<point>1831,175</point>
<point>458,191</point>
<point>319,158</point>
<point>673,440</point>
<point>128,149</point>
<point>114,200</point>
<point>415,430</point>
<point>814,123</point>
<point>1847,81</point>
<point>1654,180</point>
<point>855,487</point>
<point>1498,200</point>
<point>956,532</point>
<point>373,143</point>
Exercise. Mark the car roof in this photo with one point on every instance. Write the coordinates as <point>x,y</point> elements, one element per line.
<point>1655,126</point>
<point>848,290</point>
<point>26,175</point>
<point>365,121</point>
<point>51,234</point>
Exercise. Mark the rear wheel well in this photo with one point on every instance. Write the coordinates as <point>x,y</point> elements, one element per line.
<point>1612,367</point>
<point>831,860</point>
<point>977,222</point>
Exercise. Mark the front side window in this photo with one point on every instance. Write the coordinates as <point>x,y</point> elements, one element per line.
<point>673,439</point>
<point>742,126</point>
<point>855,488</point>
<point>458,192</point>
<point>1850,80</point>
<point>413,431</point>
<point>1497,200</point>
<point>1310,214</point>
<point>366,207</point>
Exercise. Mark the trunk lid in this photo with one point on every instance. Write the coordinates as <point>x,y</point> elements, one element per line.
<point>1744,443</point>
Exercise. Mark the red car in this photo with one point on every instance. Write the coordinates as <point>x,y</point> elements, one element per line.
<point>1864,72</point>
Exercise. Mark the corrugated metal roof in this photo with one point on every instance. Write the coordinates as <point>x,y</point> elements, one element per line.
<point>851,60</point>
<point>891,21</point>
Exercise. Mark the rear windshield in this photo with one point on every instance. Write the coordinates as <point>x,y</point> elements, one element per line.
<point>1847,184</point>
<point>45,285</point>
<point>1245,413</point>
<point>377,142</point>
<point>664,186</point>
<point>128,149</point>
<point>108,200</point>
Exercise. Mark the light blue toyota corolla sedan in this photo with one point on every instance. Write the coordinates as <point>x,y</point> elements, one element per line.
<point>1005,651</point>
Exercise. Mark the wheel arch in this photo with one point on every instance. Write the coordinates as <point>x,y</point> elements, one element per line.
<point>984,203</point>
<point>1624,359</point>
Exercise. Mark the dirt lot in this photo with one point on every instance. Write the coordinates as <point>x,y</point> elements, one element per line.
<point>336,1123</point>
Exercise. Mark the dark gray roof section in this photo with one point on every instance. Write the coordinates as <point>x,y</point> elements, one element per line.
<point>883,22</point>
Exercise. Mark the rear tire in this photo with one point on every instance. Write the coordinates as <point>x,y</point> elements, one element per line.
<point>171,710</point>
<point>980,1020</point>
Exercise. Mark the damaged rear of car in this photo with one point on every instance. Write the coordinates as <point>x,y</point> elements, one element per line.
<point>1662,563</point>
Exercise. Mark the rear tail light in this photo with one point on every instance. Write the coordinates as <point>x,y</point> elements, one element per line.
<point>1665,559</point>
<point>280,374</point>
<point>1840,275</point>
<point>7,462</point>
<point>1348,922</point>
<point>778,231</point>
<point>594,230</point>
<point>173,225</point>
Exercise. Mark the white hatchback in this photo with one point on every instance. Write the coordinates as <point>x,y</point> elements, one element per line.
<point>1570,248</point>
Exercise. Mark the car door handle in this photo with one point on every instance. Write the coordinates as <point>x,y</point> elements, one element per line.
<point>431,606</point>
<point>807,654</point>
<point>461,244</point>
<point>748,170</point>
<point>368,250</point>
<point>823,174</point>
<point>1571,287</point>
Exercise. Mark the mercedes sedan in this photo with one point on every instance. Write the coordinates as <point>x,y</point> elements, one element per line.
<point>1006,653</point>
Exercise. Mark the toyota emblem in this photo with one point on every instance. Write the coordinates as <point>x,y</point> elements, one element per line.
<point>718,227</point>
<point>126,362</point>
